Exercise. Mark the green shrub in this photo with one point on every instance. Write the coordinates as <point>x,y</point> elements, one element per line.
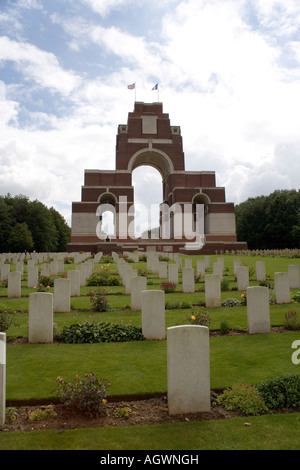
<point>172,305</point>
<point>231,302</point>
<point>7,318</point>
<point>291,321</point>
<point>224,327</point>
<point>86,395</point>
<point>106,259</point>
<point>244,398</point>
<point>185,305</point>
<point>281,392</point>
<point>225,285</point>
<point>40,414</point>
<point>296,297</point>
<point>104,332</point>
<point>168,287</point>
<point>103,278</point>
<point>46,281</point>
<point>199,318</point>
<point>99,300</point>
<point>266,284</point>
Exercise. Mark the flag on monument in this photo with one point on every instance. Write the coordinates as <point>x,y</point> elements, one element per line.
<point>155,87</point>
<point>131,87</point>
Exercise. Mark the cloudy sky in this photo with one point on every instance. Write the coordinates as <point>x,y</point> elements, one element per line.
<point>228,74</point>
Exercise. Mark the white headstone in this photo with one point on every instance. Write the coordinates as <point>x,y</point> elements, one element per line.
<point>40,323</point>
<point>293,272</point>
<point>62,294</point>
<point>188,369</point>
<point>153,314</point>
<point>173,273</point>
<point>138,285</point>
<point>260,270</point>
<point>188,280</point>
<point>74,276</point>
<point>242,273</point>
<point>14,284</point>
<point>282,288</point>
<point>258,309</point>
<point>212,290</point>
<point>33,276</point>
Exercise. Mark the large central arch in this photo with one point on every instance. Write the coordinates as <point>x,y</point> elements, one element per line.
<point>155,158</point>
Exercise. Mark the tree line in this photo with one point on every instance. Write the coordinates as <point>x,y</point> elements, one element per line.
<point>270,222</point>
<point>31,226</point>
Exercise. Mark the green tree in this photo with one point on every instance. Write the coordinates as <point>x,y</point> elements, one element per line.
<point>20,238</point>
<point>6,224</point>
<point>270,221</point>
<point>42,227</point>
<point>62,229</point>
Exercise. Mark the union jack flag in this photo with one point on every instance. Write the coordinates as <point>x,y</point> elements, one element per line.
<point>155,87</point>
<point>131,87</point>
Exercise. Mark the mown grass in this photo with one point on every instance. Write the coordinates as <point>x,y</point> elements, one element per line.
<point>140,367</point>
<point>268,432</point>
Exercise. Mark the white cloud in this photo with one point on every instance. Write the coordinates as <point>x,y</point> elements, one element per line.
<point>103,7</point>
<point>40,66</point>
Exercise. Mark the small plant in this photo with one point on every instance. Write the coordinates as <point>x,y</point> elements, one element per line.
<point>41,288</point>
<point>46,281</point>
<point>168,287</point>
<point>88,395</point>
<point>266,284</point>
<point>231,302</point>
<point>39,414</point>
<point>244,398</point>
<point>11,413</point>
<point>142,272</point>
<point>123,412</point>
<point>99,300</point>
<point>185,305</point>
<point>244,298</point>
<point>199,318</point>
<point>7,318</point>
<point>224,327</point>
<point>172,305</point>
<point>291,321</point>
<point>281,392</point>
<point>296,297</point>
<point>198,278</point>
<point>225,285</point>
<point>106,259</point>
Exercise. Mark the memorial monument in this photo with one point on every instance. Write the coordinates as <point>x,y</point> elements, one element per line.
<point>195,217</point>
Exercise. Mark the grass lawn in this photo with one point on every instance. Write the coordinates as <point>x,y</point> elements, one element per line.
<point>268,432</point>
<point>140,367</point>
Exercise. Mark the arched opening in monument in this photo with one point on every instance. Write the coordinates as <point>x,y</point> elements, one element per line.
<point>148,195</point>
<point>107,216</point>
<point>200,207</point>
